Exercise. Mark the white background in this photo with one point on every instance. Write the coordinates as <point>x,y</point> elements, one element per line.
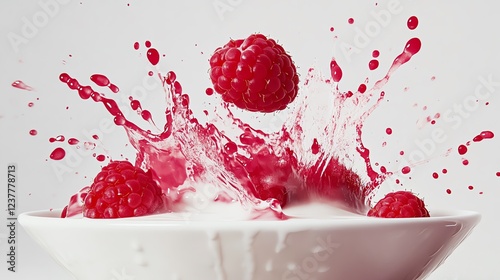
<point>41,39</point>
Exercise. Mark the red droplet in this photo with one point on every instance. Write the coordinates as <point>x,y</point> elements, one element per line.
<point>405,170</point>
<point>498,174</point>
<point>362,88</point>
<point>435,175</point>
<point>448,191</point>
<point>153,56</point>
<point>335,71</point>
<point>100,157</point>
<point>401,152</point>
<point>59,138</point>
<point>388,131</point>
<point>114,88</point>
<point>95,136</point>
<point>412,22</point>
<point>136,45</point>
<point>483,135</point>
<point>332,29</point>
<point>350,20</point>
<point>315,147</point>
<point>462,149</point>
<point>375,53</point>
<point>57,154</point>
<point>383,169</point>
<point>231,147</point>
<point>100,80</point>
<point>147,44</point>
<point>73,141</point>
<point>150,73</point>
<point>31,104</point>
<point>209,91</point>
<point>135,104</point>
<point>33,132</point>
<point>21,85</point>
<point>465,162</point>
<point>444,171</point>
<point>413,46</point>
<point>471,188</point>
<point>373,64</point>
<point>146,115</point>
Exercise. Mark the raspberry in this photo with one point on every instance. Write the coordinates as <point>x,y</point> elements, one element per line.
<point>255,74</point>
<point>400,204</point>
<point>122,190</point>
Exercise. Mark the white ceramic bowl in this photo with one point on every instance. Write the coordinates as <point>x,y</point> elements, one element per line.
<point>169,248</point>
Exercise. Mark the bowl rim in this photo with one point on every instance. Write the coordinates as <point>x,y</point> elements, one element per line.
<point>52,217</point>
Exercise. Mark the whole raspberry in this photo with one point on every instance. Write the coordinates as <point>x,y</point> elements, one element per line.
<point>400,204</point>
<point>255,74</point>
<point>122,190</point>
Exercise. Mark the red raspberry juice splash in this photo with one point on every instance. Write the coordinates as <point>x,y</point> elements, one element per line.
<point>310,158</point>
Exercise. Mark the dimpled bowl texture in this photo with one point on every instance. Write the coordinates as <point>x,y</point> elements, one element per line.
<point>167,247</point>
